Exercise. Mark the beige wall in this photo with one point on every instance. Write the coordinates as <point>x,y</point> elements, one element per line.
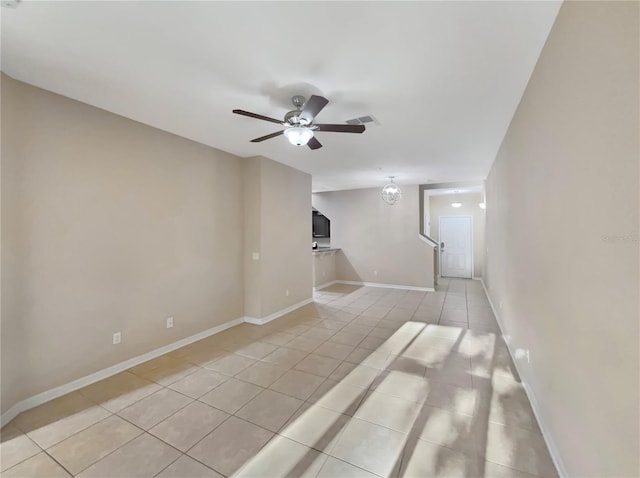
<point>109,225</point>
<point>277,226</point>
<point>562,233</point>
<point>440,205</point>
<point>426,211</point>
<point>11,328</point>
<point>252,238</point>
<point>379,242</point>
<point>324,268</point>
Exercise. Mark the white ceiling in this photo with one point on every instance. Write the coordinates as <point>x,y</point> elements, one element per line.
<point>454,191</point>
<point>442,78</point>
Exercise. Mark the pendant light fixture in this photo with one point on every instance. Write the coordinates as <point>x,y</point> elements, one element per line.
<point>391,193</point>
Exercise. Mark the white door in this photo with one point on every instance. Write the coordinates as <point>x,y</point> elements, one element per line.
<point>456,246</point>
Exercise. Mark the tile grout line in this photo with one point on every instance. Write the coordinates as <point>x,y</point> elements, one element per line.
<point>59,464</point>
<point>112,451</point>
<point>42,450</point>
<point>446,292</point>
<point>112,414</point>
<point>45,450</point>
<point>179,456</point>
<point>466,305</point>
<point>147,432</point>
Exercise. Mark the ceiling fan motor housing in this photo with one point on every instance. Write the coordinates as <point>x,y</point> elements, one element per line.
<point>293,118</point>
<point>298,101</point>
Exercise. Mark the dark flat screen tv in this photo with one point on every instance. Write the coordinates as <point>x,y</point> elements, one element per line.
<point>321,225</point>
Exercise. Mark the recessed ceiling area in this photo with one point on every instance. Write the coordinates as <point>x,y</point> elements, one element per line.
<point>443,79</point>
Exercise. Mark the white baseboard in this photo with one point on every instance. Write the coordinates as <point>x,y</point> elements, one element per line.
<point>553,450</point>
<point>385,286</point>
<point>275,315</point>
<point>61,390</point>
<point>56,392</point>
<point>326,284</point>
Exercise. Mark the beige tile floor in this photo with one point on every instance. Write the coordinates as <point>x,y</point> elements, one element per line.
<point>364,382</point>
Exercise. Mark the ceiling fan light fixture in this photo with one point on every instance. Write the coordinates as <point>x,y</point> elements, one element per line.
<point>391,192</point>
<point>299,124</point>
<point>298,135</point>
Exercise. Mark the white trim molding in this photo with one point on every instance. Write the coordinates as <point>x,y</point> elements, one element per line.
<point>385,286</point>
<point>553,450</point>
<point>326,284</point>
<point>275,315</point>
<point>426,239</point>
<point>61,390</point>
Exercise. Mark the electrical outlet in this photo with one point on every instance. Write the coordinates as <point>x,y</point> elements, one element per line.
<point>256,256</point>
<point>169,322</point>
<point>528,357</point>
<point>117,338</point>
<point>286,292</point>
<point>375,273</point>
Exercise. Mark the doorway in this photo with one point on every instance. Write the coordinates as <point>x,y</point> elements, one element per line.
<point>456,246</point>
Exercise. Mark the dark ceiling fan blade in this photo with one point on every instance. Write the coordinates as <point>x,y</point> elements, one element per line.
<point>257,116</point>
<point>312,107</point>
<point>340,128</point>
<point>314,143</point>
<point>269,136</point>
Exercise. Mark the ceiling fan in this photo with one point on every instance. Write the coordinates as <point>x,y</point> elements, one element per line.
<point>299,126</point>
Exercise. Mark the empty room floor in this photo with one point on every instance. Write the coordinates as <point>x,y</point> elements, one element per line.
<point>363,382</point>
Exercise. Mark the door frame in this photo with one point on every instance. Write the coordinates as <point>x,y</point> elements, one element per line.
<point>473,271</point>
